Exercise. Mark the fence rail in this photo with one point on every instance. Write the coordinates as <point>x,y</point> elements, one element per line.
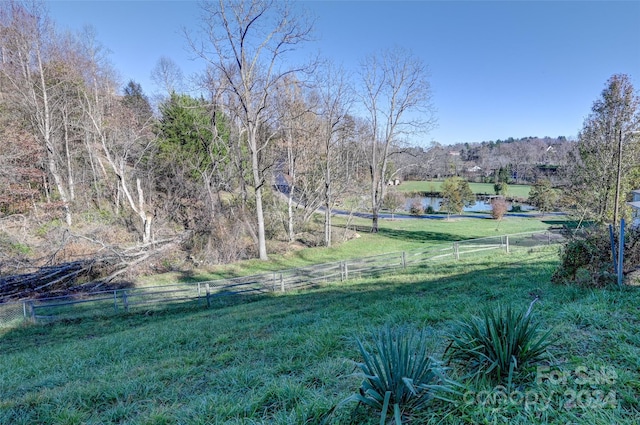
<point>76,306</point>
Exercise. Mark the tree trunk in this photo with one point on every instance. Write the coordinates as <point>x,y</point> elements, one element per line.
<point>327,204</point>
<point>262,245</point>
<point>374,221</point>
<point>258,184</point>
<point>146,219</point>
<point>327,225</point>
<point>291,187</point>
<point>292,234</point>
<point>67,152</point>
<point>51,151</point>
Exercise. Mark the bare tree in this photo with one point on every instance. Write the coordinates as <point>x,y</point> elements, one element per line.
<point>336,99</point>
<point>28,44</point>
<point>397,97</point>
<point>247,42</point>
<point>122,134</point>
<point>394,201</point>
<point>296,168</point>
<point>167,75</point>
<point>20,168</point>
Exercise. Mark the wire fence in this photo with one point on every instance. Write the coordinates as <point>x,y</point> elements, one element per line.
<point>77,306</point>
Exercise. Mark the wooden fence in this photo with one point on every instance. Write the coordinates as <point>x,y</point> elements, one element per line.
<point>204,293</point>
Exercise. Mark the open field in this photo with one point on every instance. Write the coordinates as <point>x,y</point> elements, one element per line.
<point>514,190</point>
<point>288,359</point>
<point>394,236</point>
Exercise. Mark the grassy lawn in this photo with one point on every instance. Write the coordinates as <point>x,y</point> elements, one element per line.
<point>394,236</point>
<point>514,190</point>
<point>288,358</point>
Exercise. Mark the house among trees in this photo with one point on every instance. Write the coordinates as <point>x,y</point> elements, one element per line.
<point>635,207</point>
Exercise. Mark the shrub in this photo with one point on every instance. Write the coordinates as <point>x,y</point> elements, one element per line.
<point>393,201</point>
<point>498,344</point>
<point>586,260</point>
<point>399,373</point>
<point>516,208</point>
<point>500,188</point>
<point>416,207</point>
<point>498,208</point>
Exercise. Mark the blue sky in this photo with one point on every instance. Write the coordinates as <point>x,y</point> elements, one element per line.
<point>498,69</point>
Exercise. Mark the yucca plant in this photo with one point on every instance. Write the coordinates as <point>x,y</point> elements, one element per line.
<point>399,373</point>
<point>498,344</point>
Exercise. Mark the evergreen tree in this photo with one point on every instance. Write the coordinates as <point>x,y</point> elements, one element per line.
<point>192,149</point>
<point>609,150</point>
<point>543,196</point>
<point>456,194</point>
<point>135,99</point>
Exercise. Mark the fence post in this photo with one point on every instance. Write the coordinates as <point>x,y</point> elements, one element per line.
<point>115,301</point>
<point>208,295</point>
<point>621,253</point>
<point>346,271</point>
<point>506,243</point>
<point>282,289</point>
<point>404,260</point>
<point>548,237</point>
<point>125,301</point>
<point>32,312</point>
<point>341,271</point>
<point>614,253</point>
<point>456,250</point>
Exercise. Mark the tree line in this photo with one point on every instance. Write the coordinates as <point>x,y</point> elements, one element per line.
<point>516,161</point>
<point>225,169</point>
<point>197,170</point>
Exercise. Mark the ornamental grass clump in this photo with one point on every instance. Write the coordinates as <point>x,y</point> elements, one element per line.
<point>498,345</point>
<point>400,375</point>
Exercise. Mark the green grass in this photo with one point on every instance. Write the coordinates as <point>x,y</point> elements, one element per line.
<point>289,358</point>
<point>514,190</point>
<point>393,236</point>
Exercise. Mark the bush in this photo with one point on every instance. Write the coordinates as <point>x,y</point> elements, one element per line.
<point>416,207</point>
<point>498,208</point>
<point>393,201</point>
<point>586,260</point>
<point>498,344</point>
<point>399,374</point>
<point>500,188</point>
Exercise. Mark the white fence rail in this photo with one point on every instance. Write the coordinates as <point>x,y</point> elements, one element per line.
<point>77,306</point>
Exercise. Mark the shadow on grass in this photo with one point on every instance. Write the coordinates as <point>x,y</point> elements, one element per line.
<point>46,334</point>
<point>563,222</point>
<point>422,294</point>
<point>409,235</point>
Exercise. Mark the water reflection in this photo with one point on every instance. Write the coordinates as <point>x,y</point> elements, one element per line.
<point>480,205</point>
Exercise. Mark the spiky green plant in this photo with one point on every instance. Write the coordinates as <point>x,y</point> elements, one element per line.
<point>498,344</point>
<point>399,373</point>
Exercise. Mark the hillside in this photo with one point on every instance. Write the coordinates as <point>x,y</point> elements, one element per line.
<point>288,359</point>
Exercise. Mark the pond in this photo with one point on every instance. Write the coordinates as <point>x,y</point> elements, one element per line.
<point>480,205</point>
